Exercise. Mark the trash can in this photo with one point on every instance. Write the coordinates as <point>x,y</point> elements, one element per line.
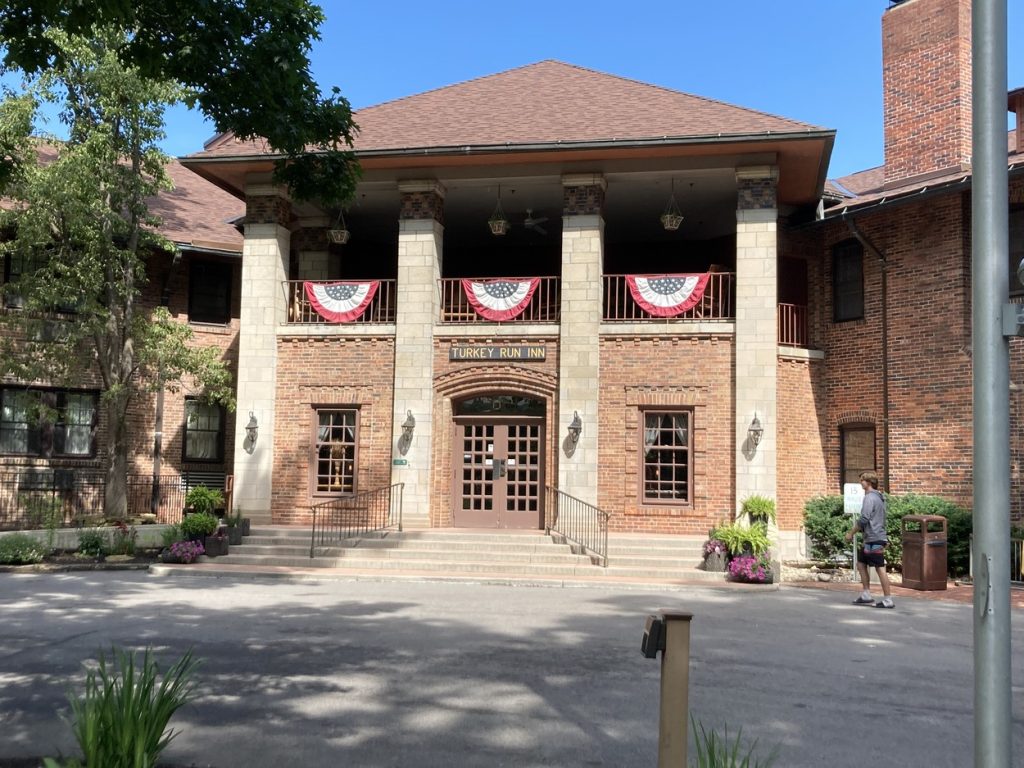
<point>924,552</point>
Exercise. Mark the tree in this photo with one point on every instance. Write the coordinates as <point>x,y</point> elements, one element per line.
<point>80,234</point>
<point>245,61</point>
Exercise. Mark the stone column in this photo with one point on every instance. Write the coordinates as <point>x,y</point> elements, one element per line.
<point>579,349</point>
<point>420,248</point>
<point>756,330</point>
<point>264,308</point>
<point>310,242</point>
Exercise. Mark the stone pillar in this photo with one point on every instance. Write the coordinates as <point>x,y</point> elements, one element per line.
<point>264,308</point>
<point>310,242</point>
<point>579,335</point>
<point>756,330</point>
<point>420,248</point>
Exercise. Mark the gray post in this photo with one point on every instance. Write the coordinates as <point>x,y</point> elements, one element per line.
<point>990,291</point>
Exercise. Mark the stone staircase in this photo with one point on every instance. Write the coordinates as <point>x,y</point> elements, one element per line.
<point>443,553</point>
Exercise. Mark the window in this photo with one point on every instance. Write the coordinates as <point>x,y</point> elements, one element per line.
<point>334,460</point>
<point>857,446</point>
<point>13,269</point>
<point>665,457</point>
<point>209,292</point>
<point>204,432</point>
<point>1016,249</point>
<point>848,281</point>
<point>47,423</point>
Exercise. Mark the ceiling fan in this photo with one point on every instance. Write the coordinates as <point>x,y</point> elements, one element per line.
<point>534,223</point>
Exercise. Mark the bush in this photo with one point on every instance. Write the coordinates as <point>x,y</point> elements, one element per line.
<point>125,537</point>
<point>171,534</point>
<point>21,549</point>
<point>740,538</point>
<point>92,543</point>
<point>121,719</point>
<point>198,524</point>
<point>826,526</point>
<point>204,500</point>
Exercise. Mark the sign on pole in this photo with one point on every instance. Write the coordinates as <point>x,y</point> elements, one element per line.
<point>853,501</point>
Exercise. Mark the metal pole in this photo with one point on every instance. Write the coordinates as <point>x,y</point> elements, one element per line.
<point>990,291</point>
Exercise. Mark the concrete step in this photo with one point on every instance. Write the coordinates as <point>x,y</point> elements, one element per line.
<point>399,542</point>
<point>553,555</point>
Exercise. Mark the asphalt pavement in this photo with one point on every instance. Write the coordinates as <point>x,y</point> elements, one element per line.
<point>449,675</point>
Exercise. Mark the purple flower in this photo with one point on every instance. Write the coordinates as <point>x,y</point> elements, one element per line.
<point>187,551</point>
<point>714,546</point>
<point>753,570</point>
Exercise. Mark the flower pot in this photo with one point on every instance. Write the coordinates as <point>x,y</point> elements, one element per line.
<point>235,535</point>
<point>715,562</point>
<point>245,526</point>
<point>215,546</point>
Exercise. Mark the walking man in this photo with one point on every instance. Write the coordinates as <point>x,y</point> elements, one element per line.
<point>872,524</point>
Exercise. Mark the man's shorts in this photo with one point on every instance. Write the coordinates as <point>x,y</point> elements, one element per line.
<point>873,554</point>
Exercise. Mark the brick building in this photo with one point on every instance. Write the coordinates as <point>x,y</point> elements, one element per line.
<point>510,302</point>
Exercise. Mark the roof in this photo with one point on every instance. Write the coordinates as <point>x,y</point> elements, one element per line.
<point>868,187</point>
<point>543,103</point>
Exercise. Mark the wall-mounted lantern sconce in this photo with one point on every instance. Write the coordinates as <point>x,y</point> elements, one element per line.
<point>755,431</point>
<point>575,428</point>
<point>408,427</point>
<point>252,430</point>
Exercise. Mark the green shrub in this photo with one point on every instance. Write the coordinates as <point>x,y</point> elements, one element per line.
<point>198,524</point>
<point>204,500</point>
<point>171,534</point>
<point>759,509</point>
<point>21,549</point>
<point>125,537</point>
<point>738,538</point>
<point>121,719</point>
<point>826,525</point>
<point>714,751</point>
<point>92,542</point>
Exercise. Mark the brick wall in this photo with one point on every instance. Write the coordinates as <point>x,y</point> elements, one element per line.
<point>691,372</point>
<point>343,371</point>
<point>926,64</point>
<point>802,435</point>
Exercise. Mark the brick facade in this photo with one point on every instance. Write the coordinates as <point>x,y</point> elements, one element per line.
<point>693,373</point>
<point>329,371</point>
<point>802,434</point>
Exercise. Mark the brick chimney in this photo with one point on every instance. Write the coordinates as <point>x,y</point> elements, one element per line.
<point>926,73</point>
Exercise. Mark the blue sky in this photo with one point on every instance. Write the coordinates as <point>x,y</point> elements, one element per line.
<point>813,60</point>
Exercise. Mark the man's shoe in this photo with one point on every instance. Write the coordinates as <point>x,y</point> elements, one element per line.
<point>885,604</point>
<point>864,601</point>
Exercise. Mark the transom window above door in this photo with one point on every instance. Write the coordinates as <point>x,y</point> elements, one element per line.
<point>500,405</point>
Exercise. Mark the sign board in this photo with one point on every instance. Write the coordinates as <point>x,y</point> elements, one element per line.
<point>399,462</point>
<point>522,352</point>
<point>853,498</point>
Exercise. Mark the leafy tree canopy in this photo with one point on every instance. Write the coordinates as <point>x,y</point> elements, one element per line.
<point>245,63</point>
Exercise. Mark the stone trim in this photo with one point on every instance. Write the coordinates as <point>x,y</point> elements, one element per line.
<point>583,200</point>
<point>310,239</point>
<point>424,205</point>
<point>863,416</point>
<point>489,378</point>
<point>680,397</point>
<point>756,188</point>
<point>267,209</point>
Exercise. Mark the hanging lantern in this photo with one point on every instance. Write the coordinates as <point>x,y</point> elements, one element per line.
<point>672,218</point>
<point>339,234</point>
<point>498,222</point>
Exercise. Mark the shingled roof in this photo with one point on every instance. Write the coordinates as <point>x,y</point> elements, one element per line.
<point>541,103</point>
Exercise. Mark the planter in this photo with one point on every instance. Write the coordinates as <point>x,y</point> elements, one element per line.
<point>715,562</point>
<point>235,535</point>
<point>216,546</point>
<point>245,526</point>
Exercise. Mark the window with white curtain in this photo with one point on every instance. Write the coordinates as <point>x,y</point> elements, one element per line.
<point>204,431</point>
<point>665,457</point>
<point>45,422</point>
<point>334,460</point>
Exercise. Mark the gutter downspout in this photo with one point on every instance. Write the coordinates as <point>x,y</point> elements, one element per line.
<point>851,224</point>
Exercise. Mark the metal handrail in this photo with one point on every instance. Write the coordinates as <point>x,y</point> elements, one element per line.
<point>793,329</point>
<point>356,515</point>
<point>544,306</point>
<point>577,522</point>
<point>301,312</point>
<point>717,303</point>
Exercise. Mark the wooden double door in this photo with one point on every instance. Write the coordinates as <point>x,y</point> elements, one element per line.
<point>499,472</point>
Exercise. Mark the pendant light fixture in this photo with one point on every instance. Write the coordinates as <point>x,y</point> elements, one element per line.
<point>672,218</point>
<point>498,221</point>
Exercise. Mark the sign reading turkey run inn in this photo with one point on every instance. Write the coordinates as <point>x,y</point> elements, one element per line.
<point>524,352</point>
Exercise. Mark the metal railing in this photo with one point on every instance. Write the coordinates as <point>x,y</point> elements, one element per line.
<point>41,497</point>
<point>578,522</point>
<point>544,306</point>
<point>301,312</point>
<point>356,515</point>
<point>717,303</point>
<point>793,330</point>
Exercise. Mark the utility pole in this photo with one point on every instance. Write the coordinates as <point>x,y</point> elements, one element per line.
<point>991,357</point>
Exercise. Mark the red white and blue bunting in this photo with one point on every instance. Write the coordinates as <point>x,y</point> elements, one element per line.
<point>667,295</point>
<point>340,302</point>
<point>499,300</point>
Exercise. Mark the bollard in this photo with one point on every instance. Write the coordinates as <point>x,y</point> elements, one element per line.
<point>669,633</point>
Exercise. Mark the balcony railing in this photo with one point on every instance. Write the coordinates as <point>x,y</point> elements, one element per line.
<point>301,312</point>
<point>544,305</point>
<point>793,331</point>
<point>716,304</point>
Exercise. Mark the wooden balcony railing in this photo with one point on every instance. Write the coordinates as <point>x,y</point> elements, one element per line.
<point>301,312</point>
<point>716,304</point>
<point>793,331</point>
<point>544,306</point>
